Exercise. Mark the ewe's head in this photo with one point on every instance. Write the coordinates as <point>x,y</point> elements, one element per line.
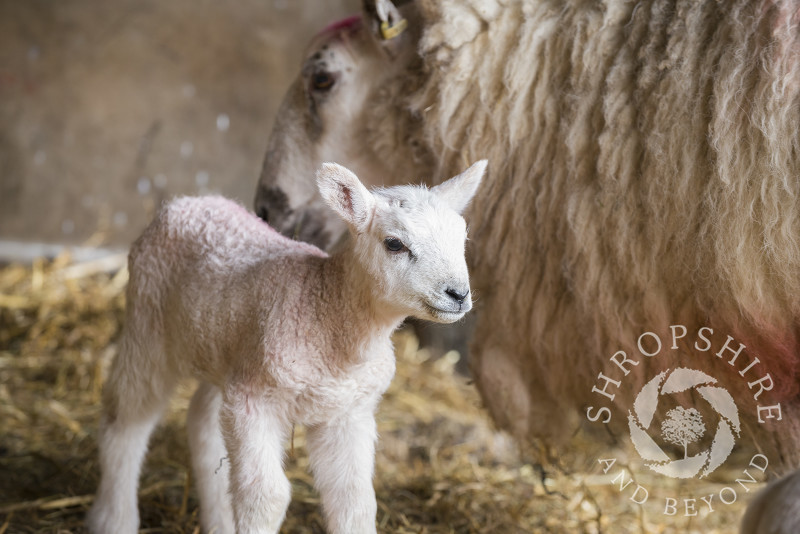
<point>326,115</point>
<point>409,239</point>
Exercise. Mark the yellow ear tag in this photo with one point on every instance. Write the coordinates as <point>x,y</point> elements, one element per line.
<point>390,32</point>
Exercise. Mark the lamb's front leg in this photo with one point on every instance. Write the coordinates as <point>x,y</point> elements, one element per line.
<point>342,453</point>
<point>255,434</point>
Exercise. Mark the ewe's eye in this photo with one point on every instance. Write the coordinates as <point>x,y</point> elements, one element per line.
<point>322,81</point>
<point>393,244</point>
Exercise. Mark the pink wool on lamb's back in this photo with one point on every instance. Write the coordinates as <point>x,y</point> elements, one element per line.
<point>219,218</point>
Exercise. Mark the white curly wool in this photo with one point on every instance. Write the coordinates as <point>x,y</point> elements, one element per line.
<point>645,172</point>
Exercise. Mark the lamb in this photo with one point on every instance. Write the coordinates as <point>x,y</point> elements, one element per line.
<point>278,333</point>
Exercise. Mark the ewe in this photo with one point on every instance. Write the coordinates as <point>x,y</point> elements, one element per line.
<point>645,173</point>
<point>278,333</point>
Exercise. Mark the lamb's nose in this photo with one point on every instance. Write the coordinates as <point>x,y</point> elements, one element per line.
<point>263,213</point>
<point>457,295</point>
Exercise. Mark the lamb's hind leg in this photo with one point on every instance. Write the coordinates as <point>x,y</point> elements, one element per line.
<point>134,397</point>
<point>209,460</point>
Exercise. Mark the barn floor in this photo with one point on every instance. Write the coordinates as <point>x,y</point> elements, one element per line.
<point>441,466</point>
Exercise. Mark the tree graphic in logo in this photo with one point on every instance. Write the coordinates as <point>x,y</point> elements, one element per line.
<point>683,426</point>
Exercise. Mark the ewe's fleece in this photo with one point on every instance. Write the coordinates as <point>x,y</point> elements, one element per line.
<point>644,171</point>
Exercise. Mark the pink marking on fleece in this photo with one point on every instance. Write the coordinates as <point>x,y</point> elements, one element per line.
<point>350,23</point>
<point>785,27</point>
<point>779,352</point>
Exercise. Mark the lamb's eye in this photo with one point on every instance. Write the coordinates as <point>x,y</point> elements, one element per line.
<point>393,244</point>
<point>322,81</point>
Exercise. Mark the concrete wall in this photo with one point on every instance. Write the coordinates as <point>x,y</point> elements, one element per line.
<point>107,107</point>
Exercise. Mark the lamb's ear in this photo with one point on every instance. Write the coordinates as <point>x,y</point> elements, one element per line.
<point>345,194</point>
<point>459,190</point>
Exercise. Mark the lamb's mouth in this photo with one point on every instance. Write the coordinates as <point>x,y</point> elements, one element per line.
<point>445,316</point>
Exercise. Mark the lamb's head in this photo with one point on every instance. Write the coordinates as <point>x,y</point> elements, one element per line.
<point>409,239</point>
<point>325,117</point>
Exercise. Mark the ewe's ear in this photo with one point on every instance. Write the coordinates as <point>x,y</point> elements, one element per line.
<point>459,190</point>
<point>345,194</point>
<point>387,25</point>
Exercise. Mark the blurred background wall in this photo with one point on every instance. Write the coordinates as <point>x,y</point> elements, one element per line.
<point>107,107</point>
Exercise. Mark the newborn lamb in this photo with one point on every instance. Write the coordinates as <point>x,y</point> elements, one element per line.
<point>278,333</point>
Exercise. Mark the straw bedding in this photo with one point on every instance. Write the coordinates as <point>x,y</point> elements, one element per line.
<point>441,465</point>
